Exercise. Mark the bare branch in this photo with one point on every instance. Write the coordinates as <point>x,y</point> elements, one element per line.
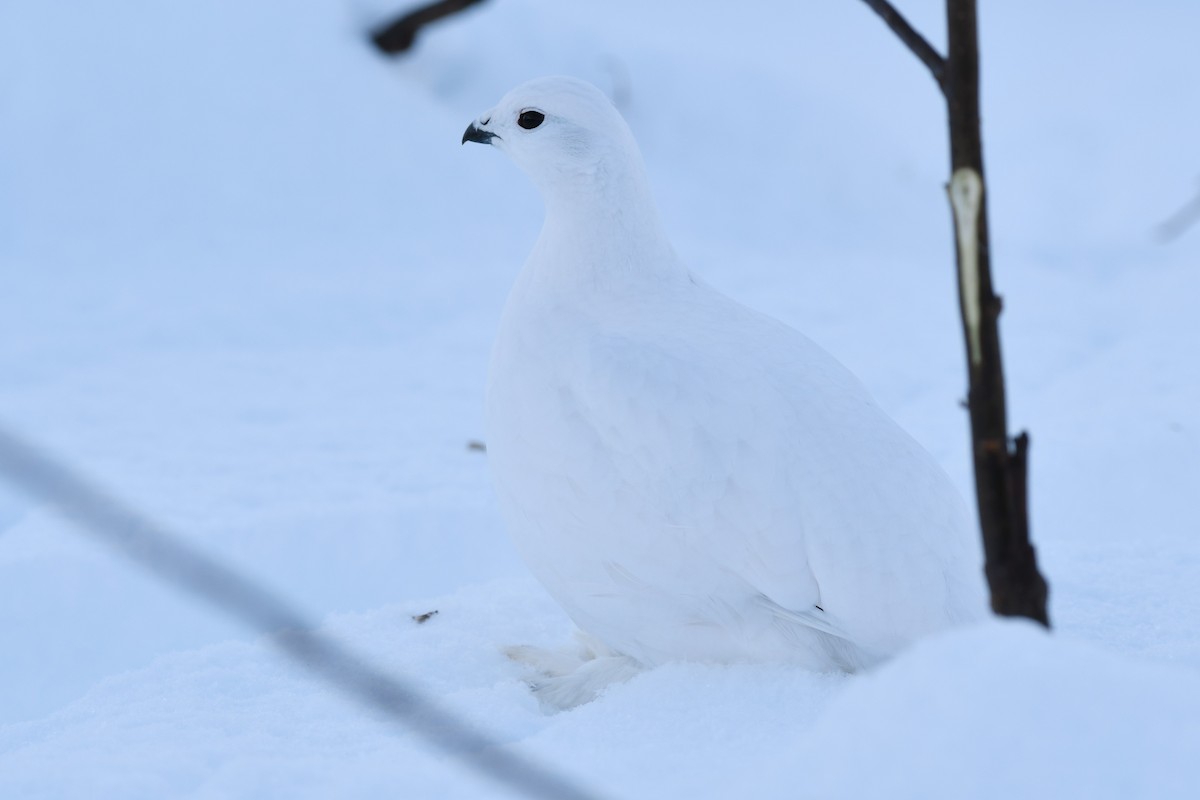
<point>915,42</point>
<point>398,35</point>
<point>173,559</point>
<point>1017,587</point>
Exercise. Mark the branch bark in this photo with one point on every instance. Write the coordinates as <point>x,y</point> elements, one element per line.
<point>917,43</point>
<point>1001,466</point>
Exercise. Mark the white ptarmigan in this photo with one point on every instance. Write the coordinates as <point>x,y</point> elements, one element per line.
<point>689,478</point>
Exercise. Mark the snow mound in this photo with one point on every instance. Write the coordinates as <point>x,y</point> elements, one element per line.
<point>1004,710</point>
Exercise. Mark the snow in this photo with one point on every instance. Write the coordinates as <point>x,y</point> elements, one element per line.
<point>1061,718</point>
<point>247,282</point>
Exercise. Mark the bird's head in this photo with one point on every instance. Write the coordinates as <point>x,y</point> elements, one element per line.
<point>562,132</point>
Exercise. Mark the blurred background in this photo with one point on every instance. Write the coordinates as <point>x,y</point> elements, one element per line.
<point>249,279</point>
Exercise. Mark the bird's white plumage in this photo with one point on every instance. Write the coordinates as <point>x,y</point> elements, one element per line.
<point>689,478</point>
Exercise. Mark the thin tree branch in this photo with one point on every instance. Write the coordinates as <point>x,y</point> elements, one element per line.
<point>188,569</point>
<point>398,35</point>
<point>915,42</point>
<point>1025,590</point>
<point>1017,587</point>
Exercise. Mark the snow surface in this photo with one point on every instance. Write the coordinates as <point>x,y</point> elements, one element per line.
<point>244,278</point>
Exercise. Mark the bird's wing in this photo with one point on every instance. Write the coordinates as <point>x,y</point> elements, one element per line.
<point>765,455</point>
<point>702,448</point>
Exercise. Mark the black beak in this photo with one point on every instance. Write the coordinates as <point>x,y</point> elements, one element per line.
<point>476,134</point>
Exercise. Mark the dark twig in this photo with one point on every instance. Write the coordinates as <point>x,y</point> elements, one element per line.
<point>1016,568</point>
<point>167,555</point>
<point>398,36</point>
<point>915,42</point>
<point>1017,587</point>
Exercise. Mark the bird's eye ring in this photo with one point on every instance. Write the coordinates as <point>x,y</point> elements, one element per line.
<point>530,119</point>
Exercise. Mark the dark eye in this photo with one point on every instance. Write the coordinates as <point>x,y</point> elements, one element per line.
<point>530,119</point>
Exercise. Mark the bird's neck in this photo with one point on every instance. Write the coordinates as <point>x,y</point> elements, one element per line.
<point>603,234</point>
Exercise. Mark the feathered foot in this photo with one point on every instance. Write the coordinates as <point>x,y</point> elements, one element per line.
<point>570,676</point>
